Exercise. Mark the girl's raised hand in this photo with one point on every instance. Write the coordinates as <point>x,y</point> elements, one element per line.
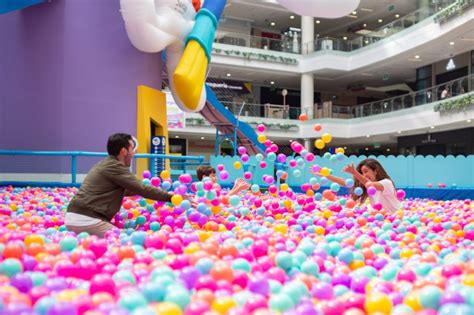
<point>349,168</point>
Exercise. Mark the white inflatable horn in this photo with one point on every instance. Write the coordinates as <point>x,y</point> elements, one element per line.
<point>331,9</point>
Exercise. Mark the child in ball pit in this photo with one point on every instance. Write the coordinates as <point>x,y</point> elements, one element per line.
<point>208,171</point>
<point>372,181</point>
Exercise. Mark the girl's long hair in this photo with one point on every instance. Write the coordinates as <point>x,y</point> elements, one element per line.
<point>380,174</point>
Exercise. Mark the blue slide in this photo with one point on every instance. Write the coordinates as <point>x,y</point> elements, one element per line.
<point>225,121</point>
<point>12,5</point>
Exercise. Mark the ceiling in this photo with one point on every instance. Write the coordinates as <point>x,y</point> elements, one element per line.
<point>262,13</point>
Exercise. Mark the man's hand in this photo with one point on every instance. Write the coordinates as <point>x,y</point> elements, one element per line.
<point>191,200</point>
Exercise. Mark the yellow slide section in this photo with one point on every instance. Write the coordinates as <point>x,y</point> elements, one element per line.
<point>190,75</point>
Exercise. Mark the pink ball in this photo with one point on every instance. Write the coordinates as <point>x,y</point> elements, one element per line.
<point>371,191</point>
<point>220,167</point>
<point>245,158</point>
<point>155,181</point>
<point>261,128</point>
<point>310,157</point>
<point>248,175</point>
<point>268,143</point>
<point>269,180</point>
<point>224,175</point>
<point>197,308</point>
<point>242,150</point>
<point>208,185</point>
<point>281,158</point>
<point>274,148</point>
<point>102,283</point>
<point>185,178</point>
<point>316,168</point>
<point>146,174</point>
<point>263,164</point>
<point>272,189</point>
<point>293,163</point>
<point>401,194</point>
<point>98,247</point>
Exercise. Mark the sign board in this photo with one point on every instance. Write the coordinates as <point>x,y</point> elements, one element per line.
<point>158,146</point>
<point>176,117</point>
<point>391,8</point>
<point>451,65</point>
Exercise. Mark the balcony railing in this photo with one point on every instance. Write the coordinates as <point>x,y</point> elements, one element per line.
<point>339,44</point>
<point>433,94</point>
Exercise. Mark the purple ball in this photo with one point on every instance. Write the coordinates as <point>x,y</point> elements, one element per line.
<point>56,284</point>
<point>341,279</point>
<point>22,282</point>
<point>62,308</point>
<point>322,291</point>
<point>358,284</point>
<point>306,309</point>
<point>259,285</point>
<point>452,297</point>
<point>189,276</point>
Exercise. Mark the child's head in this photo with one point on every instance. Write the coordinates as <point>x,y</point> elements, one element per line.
<point>373,171</point>
<point>206,171</point>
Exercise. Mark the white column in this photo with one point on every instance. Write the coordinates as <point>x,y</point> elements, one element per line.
<point>307,94</point>
<point>308,145</point>
<point>307,34</point>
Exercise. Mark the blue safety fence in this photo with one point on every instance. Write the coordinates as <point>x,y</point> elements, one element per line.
<point>63,168</point>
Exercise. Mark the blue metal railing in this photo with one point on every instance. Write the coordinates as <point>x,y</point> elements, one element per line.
<point>183,161</point>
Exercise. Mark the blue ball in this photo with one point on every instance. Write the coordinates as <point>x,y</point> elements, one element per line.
<point>358,191</point>
<point>349,182</point>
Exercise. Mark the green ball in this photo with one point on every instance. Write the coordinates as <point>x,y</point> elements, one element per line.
<point>280,303</point>
<point>430,296</point>
<point>241,264</point>
<point>38,278</point>
<point>10,267</point>
<point>140,220</point>
<point>178,296</point>
<point>154,226</point>
<point>68,244</point>
<point>284,260</point>
<point>132,301</point>
<point>124,276</point>
<point>310,268</point>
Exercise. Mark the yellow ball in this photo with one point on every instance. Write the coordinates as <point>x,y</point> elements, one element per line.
<point>469,280</point>
<point>281,228</point>
<point>262,138</point>
<point>319,144</point>
<point>340,150</point>
<point>378,303</point>
<point>165,174</point>
<point>327,214</point>
<point>412,299</point>
<point>325,171</point>
<point>223,304</point>
<point>326,137</point>
<point>192,248</point>
<point>284,187</point>
<point>168,308</point>
<point>356,264</point>
<point>287,203</point>
<point>319,230</point>
<point>34,238</point>
<point>176,200</point>
<point>237,165</point>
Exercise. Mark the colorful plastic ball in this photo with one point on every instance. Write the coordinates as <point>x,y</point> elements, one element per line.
<point>326,138</point>
<point>430,297</point>
<point>261,138</point>
<point>261,128</point>
<point>146,174</point>
<point>176,200</point>
<point>248,175</point>
<point>303,117</point>
<point>378,303</point>
<point>284,260</point>
<point>281,158</point>
<point>165,174</point>
<point>224,175</point>
<point>319,144</point>
<point>371,191</point>
<point>317,127</point>
<point>335,187</point>
<point>358,191</point>
<point>241,150</point>
<point>259,157</point>
<point>245,158</point>
<point>401,194</point>
<point>349,182</point>
<point>68,244</point>
<point>325,172</point>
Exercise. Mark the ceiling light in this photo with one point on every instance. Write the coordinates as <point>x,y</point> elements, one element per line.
<point>366,41</point>
<point>380,20</point>
<point>272,82</point>
<point>399,131</point>
<point>344,38</point>
<point>292,17</point>
<point>367,10</point>
<point>202,138</point>
<point>365,25</point>
<point>388,150</point>
<point>417,56</point>
<point>432,127</point>
<point>368,136</point>
<point>451,43</point>
<point>176,137</point>
<point>468,120</point>
<point>272,23</point>
<point>291,140</point>
<point>228,74</point>
<point>397,16</point>
<point>366,149</point>
<point>354,12</point>
<point>318,21</point>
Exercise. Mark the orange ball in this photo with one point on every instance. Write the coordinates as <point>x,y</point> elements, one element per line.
<point>329,195</point>
<point>126,252</point>
<point>303,117</point>
<point>317,127</point>
<point>350,203</point>
<point>228,250</point>
<point>222,271</point>
<point>13,251</point>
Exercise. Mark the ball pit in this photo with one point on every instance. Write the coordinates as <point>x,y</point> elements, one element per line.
<point>283,252</point>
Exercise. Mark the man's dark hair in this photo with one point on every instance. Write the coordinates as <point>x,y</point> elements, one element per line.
<point>118,141</point>
<point>204,170</point>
